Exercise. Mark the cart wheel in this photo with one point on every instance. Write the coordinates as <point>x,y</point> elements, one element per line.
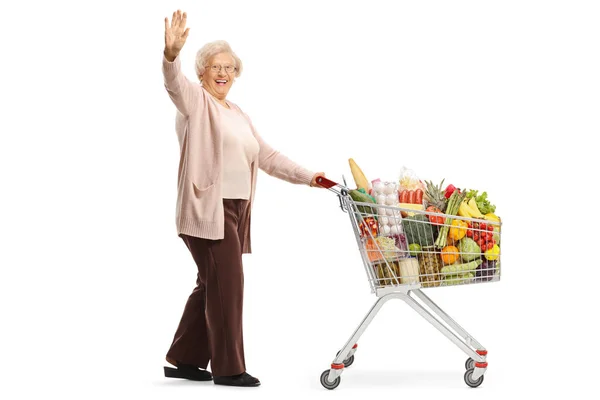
<point>469,381</point>
<point>326,383</point>
<point>348,361</point>
<point>470,363</point>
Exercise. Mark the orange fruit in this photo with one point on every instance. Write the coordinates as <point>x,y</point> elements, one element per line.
<point>449,254</point>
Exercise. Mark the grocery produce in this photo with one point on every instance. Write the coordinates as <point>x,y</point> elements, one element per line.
<point>359,178</point>
<point>457,280</point>
<point>493,253</point>
<point>414,248</point>
<point>457,269</point>
<point>386,194</point>
<point>435,219</point>
<point>409,270</point>
<point>464,210</point>
<point>360,197</point>
<point>409,206</point>
<point>429,267</point>
<point>418,230</point>
<point>363,191</point>
<point>449,190</point>
<point>486,270</point>
<point>491,217</point>
<point>458,229</point>
<point>435,195</point>
<point>368,227</point>
<point>449,254</point>
<point>469,249</point>
<point>482,202</point>
<point>373,252</point>
<point>474,210</point>
<point>451,209</point>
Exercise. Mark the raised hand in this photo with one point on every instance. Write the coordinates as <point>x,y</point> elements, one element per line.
<point>175,34</point>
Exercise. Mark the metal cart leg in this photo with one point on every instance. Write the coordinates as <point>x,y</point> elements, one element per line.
<point>478,356</point>
<point>470,340</point>
<point>330,378</point>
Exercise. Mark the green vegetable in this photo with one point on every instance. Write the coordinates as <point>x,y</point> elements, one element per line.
<point>456,280</point>
<point>455,269</point>
<point>363,191</point>
<point>361,197</point>
<point>387,246</point>
<point>418,230</point>
<point>467,245</point>
<point>451,209</point>
<point>483,204</point>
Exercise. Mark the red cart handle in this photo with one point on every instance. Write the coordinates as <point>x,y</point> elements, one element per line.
<point>326,183</point>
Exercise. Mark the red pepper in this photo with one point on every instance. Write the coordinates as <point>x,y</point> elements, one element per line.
<point>449,190</point>
<point>369,224</point>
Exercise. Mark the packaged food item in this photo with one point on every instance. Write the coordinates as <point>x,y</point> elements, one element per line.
<point>409,270</point>
<point>430,265</point>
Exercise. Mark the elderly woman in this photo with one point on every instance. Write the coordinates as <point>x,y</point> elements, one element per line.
<point>220,152</point>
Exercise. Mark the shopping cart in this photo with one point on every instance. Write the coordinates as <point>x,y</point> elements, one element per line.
<point>415,254</point>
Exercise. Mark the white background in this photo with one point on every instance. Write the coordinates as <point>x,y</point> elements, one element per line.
<point>498,96</point>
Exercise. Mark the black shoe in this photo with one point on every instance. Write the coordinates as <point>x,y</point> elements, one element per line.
<point>242,379</point>
<point>185,371</point>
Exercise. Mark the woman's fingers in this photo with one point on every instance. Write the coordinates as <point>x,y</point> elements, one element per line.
<point>185,34</point>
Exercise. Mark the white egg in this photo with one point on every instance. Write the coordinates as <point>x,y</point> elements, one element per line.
<point>378,187</point>
<point>388,188</point>
<point>394,230</point>
<point>385,229</point>
<point>384,221</point>
<point>391,199</point>
<point>381,199</point>
<point>381,211</point>
<point>390,212</point>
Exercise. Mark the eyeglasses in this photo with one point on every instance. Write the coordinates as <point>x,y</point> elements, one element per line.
<point>217,68</point>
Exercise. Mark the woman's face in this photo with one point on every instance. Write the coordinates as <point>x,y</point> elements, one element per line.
<point>216,79</point>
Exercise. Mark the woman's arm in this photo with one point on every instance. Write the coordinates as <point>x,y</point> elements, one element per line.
<point>276,164</point>
<point>182,92</point>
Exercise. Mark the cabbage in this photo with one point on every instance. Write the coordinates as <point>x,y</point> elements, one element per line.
<point>469,249</point>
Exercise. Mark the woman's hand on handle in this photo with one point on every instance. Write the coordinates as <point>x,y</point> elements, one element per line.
<point>175,34</point>
<point>313,183</point>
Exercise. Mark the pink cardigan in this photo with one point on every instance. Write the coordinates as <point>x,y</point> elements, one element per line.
<point>199,201</point>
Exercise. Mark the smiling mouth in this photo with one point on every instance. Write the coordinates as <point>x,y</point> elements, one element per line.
<point>221,82</point>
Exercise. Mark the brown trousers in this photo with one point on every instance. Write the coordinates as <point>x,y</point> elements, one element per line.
<point>211,326</point>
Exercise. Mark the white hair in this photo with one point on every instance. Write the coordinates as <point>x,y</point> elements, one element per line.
<point>211,49</point>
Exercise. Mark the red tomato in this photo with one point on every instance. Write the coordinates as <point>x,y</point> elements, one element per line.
<point>483,226</point>
<point>491,228</point>
<point>490,246</point>
<point>489,235</point>
<point>476,225</point>
<point>476,236</point>
<point>470,233</point>
<point>469,224</point>
<point>481,244</point>
<point>435,219</point>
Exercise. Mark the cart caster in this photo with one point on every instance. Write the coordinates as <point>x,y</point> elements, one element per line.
<point>469,381</point>
<point>348,361</point>
<point>470,363</point>
<point>326,384</point>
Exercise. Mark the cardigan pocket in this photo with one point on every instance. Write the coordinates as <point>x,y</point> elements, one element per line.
<point>200,190</point>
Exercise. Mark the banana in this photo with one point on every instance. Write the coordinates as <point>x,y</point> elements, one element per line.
<point>474,210</point>
<point>464,210</point>
<point>491,217</point>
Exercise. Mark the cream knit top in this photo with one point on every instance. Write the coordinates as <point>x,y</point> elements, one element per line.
<point>240,149</point>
